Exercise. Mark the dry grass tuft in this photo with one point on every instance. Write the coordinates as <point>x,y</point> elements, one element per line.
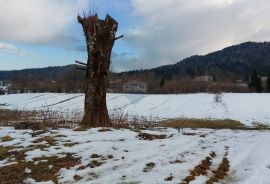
<point>50,140</point>
<point>150,137</point>
<point>149,166</point>
<point>77,177</point>
<point>169,178</point>
<point>81,128</point>
<point>6,138</point>
<point>95,163</point>
<point>70,144</point>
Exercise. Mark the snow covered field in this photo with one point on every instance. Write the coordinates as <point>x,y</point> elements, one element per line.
<point>126,156</point>
<point>247,108</point>
<point>120,156</point>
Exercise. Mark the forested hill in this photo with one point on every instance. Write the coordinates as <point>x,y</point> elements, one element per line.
<point>230,64</point>
<point>236,61</point>
<point>55,79</point>
<point>48,73</point>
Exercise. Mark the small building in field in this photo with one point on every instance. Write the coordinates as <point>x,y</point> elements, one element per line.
<point>203,78</point>
<point>241,83</point>
<point>5,87</point>
<point>115,86</point>
<point>264,79</point>
<point>135,86</point>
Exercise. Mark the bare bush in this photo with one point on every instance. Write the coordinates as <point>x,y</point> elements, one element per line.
<point>218,98</point>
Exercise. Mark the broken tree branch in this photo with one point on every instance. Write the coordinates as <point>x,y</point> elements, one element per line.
<point>119,37</point>
<point>81,63</point>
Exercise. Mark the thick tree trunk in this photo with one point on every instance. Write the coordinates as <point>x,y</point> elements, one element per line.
<point>100,37</point>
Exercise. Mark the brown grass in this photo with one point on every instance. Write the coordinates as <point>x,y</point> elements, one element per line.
<point>48,139</point>
<point>8,115</point>
<point>203,123</point>
<point>81,128</point>
<point>40,172</point>
<point>4,152</point>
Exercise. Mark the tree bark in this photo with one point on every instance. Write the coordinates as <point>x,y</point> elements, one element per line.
<point>100,38</point>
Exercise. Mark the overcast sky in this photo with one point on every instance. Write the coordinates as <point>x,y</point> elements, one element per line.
<point>39,33</point>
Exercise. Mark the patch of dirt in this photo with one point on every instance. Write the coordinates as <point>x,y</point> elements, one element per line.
<point>95,156</point>
<point>176,162</point>
<point>149,166</point>
<point>198,170</point>
<point>213,154</point>
<point>203,135</point>
<point>189,133</point>
<point>59,135</point>
<point>104,130</point>
<point>169,178</point>
<point>95,163</point>
<point>150,137</point>
<point>222,169</point>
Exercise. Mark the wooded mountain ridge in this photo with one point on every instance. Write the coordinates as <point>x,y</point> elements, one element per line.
<point>231,64</point>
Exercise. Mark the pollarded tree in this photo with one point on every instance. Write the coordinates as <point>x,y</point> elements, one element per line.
<point>100,37</point>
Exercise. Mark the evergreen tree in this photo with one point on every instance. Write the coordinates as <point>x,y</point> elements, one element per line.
<point>255,83</point>
<point>259,87</point>
<point>268,82</point>
<point>162,82</point>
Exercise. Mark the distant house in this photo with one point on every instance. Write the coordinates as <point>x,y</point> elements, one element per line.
<point>241,83</point>
<point>5,86</point>
<point>203,78</point>
<point>115,86</point>
<point>264,79</point>
<point>134,86</point>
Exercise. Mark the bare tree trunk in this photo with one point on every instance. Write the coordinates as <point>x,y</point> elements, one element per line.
<point>100,37</point>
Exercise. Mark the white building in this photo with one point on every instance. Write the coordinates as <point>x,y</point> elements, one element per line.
<point>135,86</point>
<point>203,78</point>
<point>4,86</point>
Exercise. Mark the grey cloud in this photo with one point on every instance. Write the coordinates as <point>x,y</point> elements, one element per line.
<point>38,22</point>
<point>175,29</point>
<point>8,48</point>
